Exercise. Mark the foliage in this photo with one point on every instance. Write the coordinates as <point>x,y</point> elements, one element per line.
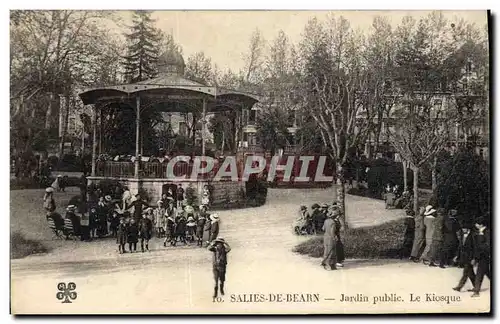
<point>141,60</point>
<point>191,197</point>
<point>381,241</point>
<point>464,185</point>
<point>385,171</point>
<point>272,131</point>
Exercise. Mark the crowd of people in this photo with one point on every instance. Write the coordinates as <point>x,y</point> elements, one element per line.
<point>324,219</point>
<point>436,238</point>
<point>130,220</point>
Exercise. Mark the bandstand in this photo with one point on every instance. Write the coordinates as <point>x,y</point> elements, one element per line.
<point>169,92</point>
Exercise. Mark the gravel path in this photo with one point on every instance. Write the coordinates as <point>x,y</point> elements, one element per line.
<point>179,280</point>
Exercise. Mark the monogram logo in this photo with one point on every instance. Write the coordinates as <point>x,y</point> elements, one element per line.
<point>66,292</point>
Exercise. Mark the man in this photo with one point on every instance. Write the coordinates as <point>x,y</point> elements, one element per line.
<point>450,238</point>
<point>220,249</point>
<point>419,241</point>
<point>466,256</point>
<point>482,253</point>
<point>429,219</point>
<point>329,261</point>
<point>180,196</point>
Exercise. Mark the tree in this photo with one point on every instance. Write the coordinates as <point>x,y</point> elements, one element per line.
<point>464,185</point>
<point>420,129</point>
<point>199,68</point>
<point>143,46</point>
<point>252,75</point>
<point>337,89</point>
<point>51,57</point>
<point>272,132</point>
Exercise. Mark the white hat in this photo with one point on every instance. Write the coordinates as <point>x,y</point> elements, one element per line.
<point>190,219</point>
<point>220,239</point>
<point>71,207</point>
<point>49,189</point>
<point>214,216</point>
<point>429,210</point>
<point>107,197</point>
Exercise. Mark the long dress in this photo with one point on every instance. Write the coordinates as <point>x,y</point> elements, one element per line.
<point>339,246</point>
<point>206,230</point>
<point>329,244</point>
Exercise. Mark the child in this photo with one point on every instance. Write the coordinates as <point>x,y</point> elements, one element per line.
<point>191,227</point>
<point>132,235</point>
<point>200,224</point>
<point>180,228</point>
<point>146,229</point>
<point>93,222</point>
<point>121,237</point>
<point>205,200</point>
<point>159,219</point>
<point>114,223</point>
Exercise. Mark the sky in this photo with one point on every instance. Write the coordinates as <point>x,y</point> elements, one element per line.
<point>224,35</point>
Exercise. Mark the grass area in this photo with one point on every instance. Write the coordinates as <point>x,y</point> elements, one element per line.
<point>381,241</point>
<point>21,247</point>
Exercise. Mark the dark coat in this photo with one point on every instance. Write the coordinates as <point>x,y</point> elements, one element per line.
<point>138,205</point>
<point>214,230</point>
<point>146,228</point>
<point>180,194</point>
<point>180,228</point>
<point>450,229</point>
<point>132,233</point>
<point>482,246</point>
<point>58,220</point>
<point>121,237</point>
<point>200,224</point>
<point>466,248</point>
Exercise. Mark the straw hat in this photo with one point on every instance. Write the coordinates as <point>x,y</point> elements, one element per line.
<point>220,239</point>
<point>107,198</point>
<point>429,210</point>
<point>214,217</point>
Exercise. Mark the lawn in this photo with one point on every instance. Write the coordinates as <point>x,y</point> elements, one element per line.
<point>28,226</point>
<point>381,241</point>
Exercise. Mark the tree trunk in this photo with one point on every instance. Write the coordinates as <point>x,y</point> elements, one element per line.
<point>415,189</point>
<point>48,114</point>
<point>223,142</point>
<point>341,194</point>
<point>434,175</point>
<point>64,124</point>
<point>405,176</point>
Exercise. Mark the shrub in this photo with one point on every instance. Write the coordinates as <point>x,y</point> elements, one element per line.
<point>21,247</point>
<point>464,185</point>
<point>381,241</point>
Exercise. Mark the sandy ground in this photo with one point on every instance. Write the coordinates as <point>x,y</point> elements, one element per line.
<point>263,277</point>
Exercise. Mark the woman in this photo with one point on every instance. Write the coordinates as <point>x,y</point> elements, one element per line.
<point>329,244</point>
<point>200,224</point>
<point>409,235</point>
<point>429,217</point>
<point>437,238</point>
<point>450,239</point>
<point>339,246</point>
<point>48,201</point>
<point>419,236</point>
